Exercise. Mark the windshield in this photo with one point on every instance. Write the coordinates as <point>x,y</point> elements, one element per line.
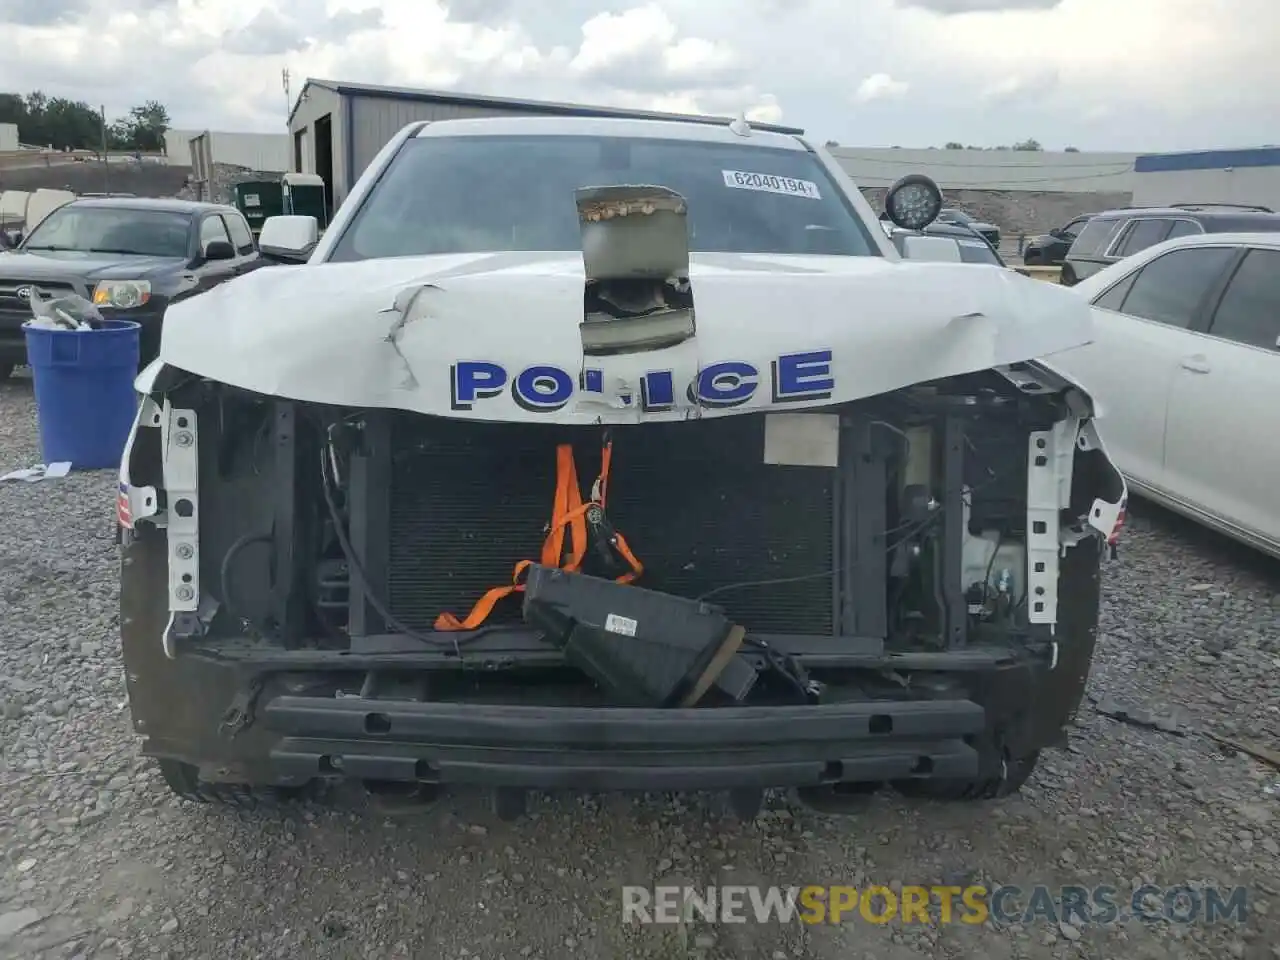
<point>504,193</point>
<point>151,233</point>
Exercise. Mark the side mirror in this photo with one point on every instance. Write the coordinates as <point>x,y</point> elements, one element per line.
<point>936,249</point>
<point>219,250</point>
<point>288,238</point>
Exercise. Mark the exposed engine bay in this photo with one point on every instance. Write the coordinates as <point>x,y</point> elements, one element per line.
<point>925,521</point>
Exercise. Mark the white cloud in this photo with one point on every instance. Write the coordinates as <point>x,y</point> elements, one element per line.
<point>953,7</point>
<point>880,86</point>
<point>1033,86</point>
<point>642,45</point>
<point>766,110</point>
<point>1172,73</point>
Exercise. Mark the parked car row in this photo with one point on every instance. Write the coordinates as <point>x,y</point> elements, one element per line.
<point>1088,243</point>
<point>1116,234</point>
<point>1187,300</point>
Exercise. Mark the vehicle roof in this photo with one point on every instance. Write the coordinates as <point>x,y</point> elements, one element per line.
<point>606,127</point>
<point>1235,238</point>
<point>1187,213</point>
<point>161,205</point>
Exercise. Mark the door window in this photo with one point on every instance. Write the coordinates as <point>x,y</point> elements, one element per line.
<point>1249,312</point>
<point>1113,298</point>
<point>1094,238</point>
<point>1183,228</point>
<point>1171,287</point>
<point>241,235</point>
<point>1075,227</point>
<point>211,229</point>
<point>1142,234</point>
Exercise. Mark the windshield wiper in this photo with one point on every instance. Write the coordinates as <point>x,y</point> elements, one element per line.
<point>135,253</point>
<point>50,246</point>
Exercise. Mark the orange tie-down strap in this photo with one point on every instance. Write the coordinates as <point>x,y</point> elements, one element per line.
<point>569,511</point>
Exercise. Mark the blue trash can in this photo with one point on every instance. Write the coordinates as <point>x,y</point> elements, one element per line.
<point>85,399</point>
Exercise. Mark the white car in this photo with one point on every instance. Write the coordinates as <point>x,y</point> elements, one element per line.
<point>1186,364</point>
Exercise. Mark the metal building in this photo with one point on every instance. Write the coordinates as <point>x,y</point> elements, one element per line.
<point>1250,176</point>
<point>337,128</point>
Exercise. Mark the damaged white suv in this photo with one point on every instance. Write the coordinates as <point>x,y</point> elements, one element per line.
<point>612,454</point>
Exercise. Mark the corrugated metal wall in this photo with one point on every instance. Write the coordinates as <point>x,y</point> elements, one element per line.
<point>8,137</point>
<point>257,151</point>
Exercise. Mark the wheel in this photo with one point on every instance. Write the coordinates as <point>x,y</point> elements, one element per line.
<point>1014,774</point>
<point>6,370</point>
<point>184,780</point>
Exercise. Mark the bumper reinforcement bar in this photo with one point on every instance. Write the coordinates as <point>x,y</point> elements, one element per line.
<point>621,749</point>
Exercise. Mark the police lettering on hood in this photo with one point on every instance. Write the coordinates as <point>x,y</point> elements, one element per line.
<point>546,388</point>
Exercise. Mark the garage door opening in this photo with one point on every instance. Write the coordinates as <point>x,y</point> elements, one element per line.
<point>324,160</point>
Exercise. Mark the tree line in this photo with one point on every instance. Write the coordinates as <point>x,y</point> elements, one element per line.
<point>1029,145</point>
<point>64,124</point>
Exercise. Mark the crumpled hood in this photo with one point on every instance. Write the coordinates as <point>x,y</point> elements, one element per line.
<point>496,336</point>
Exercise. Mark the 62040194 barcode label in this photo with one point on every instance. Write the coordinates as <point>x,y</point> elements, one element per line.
<point>768,183</point>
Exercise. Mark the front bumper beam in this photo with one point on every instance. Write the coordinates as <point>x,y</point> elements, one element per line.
<point>621,749</point>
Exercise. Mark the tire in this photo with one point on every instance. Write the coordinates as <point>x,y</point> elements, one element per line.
<point>184,780</point>
<point>6,370</point>
<point>1016,773</point>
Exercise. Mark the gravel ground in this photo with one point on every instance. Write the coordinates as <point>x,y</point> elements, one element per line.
<point>97,859</point>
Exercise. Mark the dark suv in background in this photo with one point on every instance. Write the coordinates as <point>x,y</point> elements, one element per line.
<point>1050,249</point>
<point>1111,236</point>
<point>132,257</point>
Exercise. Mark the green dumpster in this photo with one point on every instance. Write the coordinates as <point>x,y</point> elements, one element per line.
<point>259,199</point>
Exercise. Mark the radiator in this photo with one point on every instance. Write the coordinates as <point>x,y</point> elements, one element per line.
<point>694,499</point>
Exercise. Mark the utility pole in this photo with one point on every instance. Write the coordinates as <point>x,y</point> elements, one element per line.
<point>288,100</point>
<point>106,164</point>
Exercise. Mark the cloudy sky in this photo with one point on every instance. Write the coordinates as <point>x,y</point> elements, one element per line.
<point>1095,74</point>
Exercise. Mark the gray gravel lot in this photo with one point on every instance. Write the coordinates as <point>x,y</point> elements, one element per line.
<point>97,860</point>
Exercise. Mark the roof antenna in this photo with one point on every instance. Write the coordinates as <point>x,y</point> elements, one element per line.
<point>740,126</point>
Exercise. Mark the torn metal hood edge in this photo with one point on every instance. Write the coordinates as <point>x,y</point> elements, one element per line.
<point>771,332</point>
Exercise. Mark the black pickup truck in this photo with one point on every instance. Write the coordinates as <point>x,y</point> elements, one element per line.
<point>132,257</point>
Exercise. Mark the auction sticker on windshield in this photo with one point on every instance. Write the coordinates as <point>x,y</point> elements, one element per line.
<point>768,183</point>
